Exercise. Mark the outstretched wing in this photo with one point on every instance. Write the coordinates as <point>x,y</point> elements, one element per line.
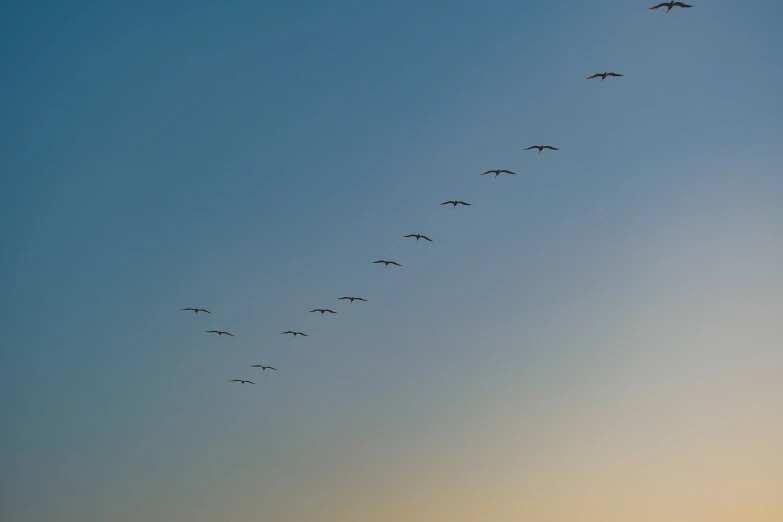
<point>330,311</point>
<point>659,5</point>
<point>379,261</point>
<point>614,74</point>
<point>682,5</point>
<point>249,382</point>
<point>288,332</point>
<point>410,235</point>
<point>394,263</point>
<point>534,146</point>
<point>550,147</point>
<point>191,309</point>
<point>463,203</point>
<point>232,335</point>
<point>509,172</point>
<point>448,203</point>
<point>212,331</point>
<point>316,310</point>
<point>428,239</point>
<point>344,298</point>
<point>593,76</point>
<point>360,299</point>
<point>488,172</point>
<point>207,311</point>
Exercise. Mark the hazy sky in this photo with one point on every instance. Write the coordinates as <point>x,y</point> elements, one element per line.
<point>542,360</point>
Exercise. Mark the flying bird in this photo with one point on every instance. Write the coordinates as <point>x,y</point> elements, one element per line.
<point>295,333</point>
<point>455,203</point>
<point>322,310</point>
<point>419,236</point>
<point>542,147</point>
<point>197,310</point>
<point>352,299</point>
<point>387,263</point>
<point>219,332</point>
<point>603,75</point>
<point>263,368</point>
<point>498,172</point>
<point>670,6</point>
<point>240,381</point>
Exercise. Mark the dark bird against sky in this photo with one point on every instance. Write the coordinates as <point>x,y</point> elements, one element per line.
<point>263,368</point>
<point>197,310</point>
<point>455,203</point>
<point>289,332</point>
<point>542,147</point>
<point>670,6</point>
<point>220,332</point>
<point>387,263</point>
<point>322,310</point>
<point>498,172</point>
<point>351,299</point>
<point>603,75</point>
<point>240,381</point>
<point>419,236</point>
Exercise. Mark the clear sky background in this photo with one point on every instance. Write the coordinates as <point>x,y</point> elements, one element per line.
<point>543,359</point>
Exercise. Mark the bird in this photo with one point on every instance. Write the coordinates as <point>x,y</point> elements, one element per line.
<point>498,172</point>
<point>220,332</point>
<point>603,75</point>
<point>670,6</point>
<point>295,333</point>
<point>197,310</point>
<point>542,147</point>
<point>419,236</point>
<point>322,310</point>
<point>387,263</point>
<point>352,299</point>
<point>240,381</point>
<point>455,203</point>
<point>263,368</point>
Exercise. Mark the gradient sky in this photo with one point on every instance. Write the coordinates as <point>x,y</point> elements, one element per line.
<point>542,360</point>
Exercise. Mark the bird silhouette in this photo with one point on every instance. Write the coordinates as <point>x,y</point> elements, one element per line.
<point>240,381</point>
<point>498,172</point>
<point>295,333</point>
<point>542,147</point>
<point>263,368</point>
<point>455,203</point>
<point>322,310</point>
<point>387,263</point>
<point>197,310</point>
<point>220,332</point>
<point>670,6</point>
<point>352,299</point>
<point>603,75</point>
<point>419,236</point>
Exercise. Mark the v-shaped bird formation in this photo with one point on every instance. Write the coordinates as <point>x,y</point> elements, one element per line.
<point>453,202</point>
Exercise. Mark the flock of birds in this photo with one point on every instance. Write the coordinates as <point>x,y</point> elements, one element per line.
<point>669,6</point>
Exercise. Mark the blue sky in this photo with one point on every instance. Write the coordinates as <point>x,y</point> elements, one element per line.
<point>255,158</point>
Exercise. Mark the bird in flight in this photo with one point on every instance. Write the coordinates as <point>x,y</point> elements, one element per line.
<point>219,332</point>
<point>263,368</point>
<point>387,263</point>
<point>419,236</point>
<point>197,310</point>
<point>603,75</point>
<point>455,203</point>
<point>240,381</point>
<point>670,6</point>
<point>295,333</point>
<point>498,172</point>
<point>352,299</point>
<point>542,147</point>
<point>322,310</point>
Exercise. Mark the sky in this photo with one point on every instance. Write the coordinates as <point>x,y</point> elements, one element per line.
<point>598,338</point>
